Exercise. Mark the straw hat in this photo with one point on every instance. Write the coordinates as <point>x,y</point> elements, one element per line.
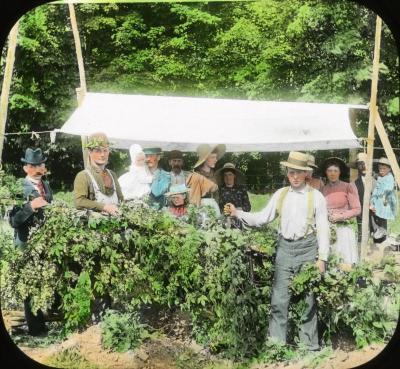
<point>204,150</point>
<point>177,189</point>
<point>311,161</point>
<point>361,156</point>
<point>229,167</point>
<point>297,160</point>
<point>384,161</point>
<point>333,160</point>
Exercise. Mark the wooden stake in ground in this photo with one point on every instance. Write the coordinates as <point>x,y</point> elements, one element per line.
<point>5,90</point>
<point>373,113</point>
<point>80,91</point>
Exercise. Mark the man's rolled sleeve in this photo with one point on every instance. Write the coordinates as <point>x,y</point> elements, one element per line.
<point>322,226</point>
<point>262,217</point>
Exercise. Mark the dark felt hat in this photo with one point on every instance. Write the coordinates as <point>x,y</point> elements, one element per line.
<point>344,170</point>
<point>33,156</point>
<point>175,154</point>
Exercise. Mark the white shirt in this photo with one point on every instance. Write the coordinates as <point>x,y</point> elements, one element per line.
<point>35,183</point>
<point>294,217</point>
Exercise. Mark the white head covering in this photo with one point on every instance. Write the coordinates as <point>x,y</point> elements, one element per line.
<point>135,183</point>
<point>134,150</point>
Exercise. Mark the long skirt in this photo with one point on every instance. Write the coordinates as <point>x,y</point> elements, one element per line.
<point>346,244</point>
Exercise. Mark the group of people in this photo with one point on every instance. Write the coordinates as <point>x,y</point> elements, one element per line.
<point>305,208</point>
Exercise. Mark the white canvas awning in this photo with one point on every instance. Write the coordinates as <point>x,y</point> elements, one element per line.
<point>185,122</point>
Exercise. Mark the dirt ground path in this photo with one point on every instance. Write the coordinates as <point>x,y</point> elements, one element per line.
<point>161,353</point>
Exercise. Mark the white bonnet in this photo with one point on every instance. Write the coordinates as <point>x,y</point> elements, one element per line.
<point>134,150</point>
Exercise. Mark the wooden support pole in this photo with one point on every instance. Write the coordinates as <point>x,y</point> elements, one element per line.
<point>388,148</point>
<point>80,91</point>
<point>5,90</point>
<point>373,111</point>
<point>353,152</point>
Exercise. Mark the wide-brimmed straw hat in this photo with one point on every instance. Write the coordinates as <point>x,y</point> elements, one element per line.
<point>204,150</point>
<point>384,161</point>
<point>177,189</point>
<point>229,167</point>
<point>333,160</point>
<point>297,160</point>
<point>311,161</point>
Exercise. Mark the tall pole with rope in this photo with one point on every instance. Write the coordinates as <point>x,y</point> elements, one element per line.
<point>80,91</point>
<point>5,90</point>
<point>373,114</point>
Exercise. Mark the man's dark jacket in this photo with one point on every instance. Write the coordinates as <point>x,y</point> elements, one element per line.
<point>22,218</point>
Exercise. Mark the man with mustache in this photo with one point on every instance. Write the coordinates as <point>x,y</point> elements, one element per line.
<point>178,175</point>
<point>161,178</point>
<point>38,194</point>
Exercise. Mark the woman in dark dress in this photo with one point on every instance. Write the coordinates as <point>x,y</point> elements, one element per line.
<point>232,190</point>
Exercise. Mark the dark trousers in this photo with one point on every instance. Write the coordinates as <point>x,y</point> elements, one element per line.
<point>99,306</point>
<point>380,229</point>
<point>36,324</point>
<point>289,259</point>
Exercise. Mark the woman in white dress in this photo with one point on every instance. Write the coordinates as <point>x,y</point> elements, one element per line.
<point>136,183</point>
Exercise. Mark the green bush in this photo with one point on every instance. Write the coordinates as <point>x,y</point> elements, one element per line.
<point>122,331</point>
<point>146,257</point>
<point>350,302</point>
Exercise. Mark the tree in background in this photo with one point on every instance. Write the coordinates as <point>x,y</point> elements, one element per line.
<point>289,50</point>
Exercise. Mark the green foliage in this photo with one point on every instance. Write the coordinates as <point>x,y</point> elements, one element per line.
<point>276,351</point>
<point>145,257</point>
<point>122,331</point>
<point>77,303</point>
<point>70,358</point>
<point>11,192</point>
<point>54,335</point>
<point>349,301</point>
<point>297,50</point>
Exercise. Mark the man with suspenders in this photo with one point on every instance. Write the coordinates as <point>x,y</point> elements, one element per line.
<point>97,188</point>
<point>303,238</point>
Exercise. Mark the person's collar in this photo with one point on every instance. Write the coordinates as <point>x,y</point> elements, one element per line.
<point>205,168</point>
<point>302,189</point>
<point>333,184</point>
<point>153,171</point>
<point>97,168</point>
<point>33,180</point>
